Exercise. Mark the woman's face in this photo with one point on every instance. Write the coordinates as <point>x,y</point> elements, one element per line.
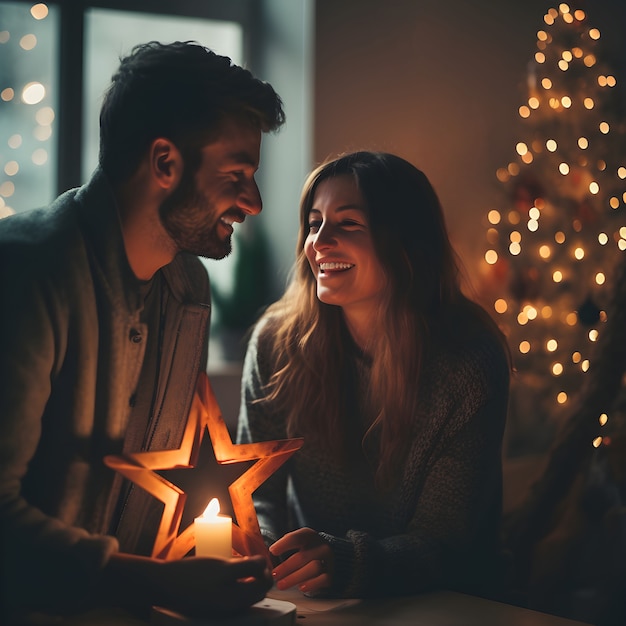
<point>340,250</point>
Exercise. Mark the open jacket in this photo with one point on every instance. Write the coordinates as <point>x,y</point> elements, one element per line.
<point>72,345</point>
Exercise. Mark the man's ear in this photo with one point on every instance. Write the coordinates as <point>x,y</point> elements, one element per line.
<point>166,163</point>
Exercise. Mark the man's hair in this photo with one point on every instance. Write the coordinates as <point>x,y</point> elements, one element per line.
<point>181,91</point>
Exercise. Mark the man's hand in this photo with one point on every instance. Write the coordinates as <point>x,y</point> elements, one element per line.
<point>310,567</point>
<point>203,586</point>
<point>194,586</point>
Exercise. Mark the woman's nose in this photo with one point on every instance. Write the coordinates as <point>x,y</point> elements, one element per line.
<point>324,238</point>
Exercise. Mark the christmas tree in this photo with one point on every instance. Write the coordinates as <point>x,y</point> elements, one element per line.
<point>554,245</point>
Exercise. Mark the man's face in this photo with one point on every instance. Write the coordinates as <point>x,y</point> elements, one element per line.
<point>200,213</point>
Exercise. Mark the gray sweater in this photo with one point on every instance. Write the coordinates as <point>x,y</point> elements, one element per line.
<point>72,344</point>
<point>439,525</point>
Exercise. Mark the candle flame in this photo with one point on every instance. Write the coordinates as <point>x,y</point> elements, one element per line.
<point>212,509</point>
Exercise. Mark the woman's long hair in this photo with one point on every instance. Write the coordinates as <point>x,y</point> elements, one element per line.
<point>308,336</point>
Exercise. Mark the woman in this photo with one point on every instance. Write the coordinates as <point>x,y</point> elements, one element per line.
<point>397,382</point>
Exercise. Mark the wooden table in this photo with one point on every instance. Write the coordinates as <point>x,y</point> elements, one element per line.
<point>443,608</point>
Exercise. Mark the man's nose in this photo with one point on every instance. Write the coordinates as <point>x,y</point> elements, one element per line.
<point>250,199</point>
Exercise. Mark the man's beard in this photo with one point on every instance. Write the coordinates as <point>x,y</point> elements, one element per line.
<point>191,222</point>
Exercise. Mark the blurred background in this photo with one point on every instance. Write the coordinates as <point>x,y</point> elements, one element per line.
<point>446,84</point>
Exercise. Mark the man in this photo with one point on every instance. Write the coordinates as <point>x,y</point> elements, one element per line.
<point>103,333</point>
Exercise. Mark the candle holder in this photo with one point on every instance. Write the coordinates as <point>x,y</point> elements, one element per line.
<point>205,416</point>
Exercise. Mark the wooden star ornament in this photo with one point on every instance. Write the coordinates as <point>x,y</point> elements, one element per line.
<point>205,416</point>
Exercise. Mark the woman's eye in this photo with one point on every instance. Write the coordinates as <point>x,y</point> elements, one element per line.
<point>314,226</point>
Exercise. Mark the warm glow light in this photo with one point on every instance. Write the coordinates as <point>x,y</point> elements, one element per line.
<point>597,442</point>
<point>563,64</point>
<point>566,101</point>
<point>7,189</point>
<point>594,33</point>
<point>567,55</point>
<point>576,357</point>
<point>564,168</point>
<point>542,35</point>
<point>600,278</point>
<point>589,103</point>
<point>551,145</point>
<point>530,311</point>
<point>546,312</point>
<point>603,239</point>
<point>533,102</point>
<point>579,14</point>
<point>559,237</point>
<point>514,217</point>
<point>524,111</point>
<point>515,248</point>
<point>513,169</point>
<point>603,419</point>
<point>540,57</point>
<point>552,345</point>
<point>589,60</point>
<point>515,236</point>
<point>39,156</point>
<point>28,42</point>
<point>522,318</point>
<point>571,318</point>
<point>604,128</point>
<point>494,217</point>
<point>546,83</point>
<point>579,253</point>
<point>583,143</point>
<point>532,225</point>
<point>491,256</point>
<point>614,202</point>
<point>557,369</point>
<point>527,158</point>
<point>45,116</point>
<point>15,141</point>
<point>577,52</point>
<point>524,347</point>
<point>11,168</point>
<point>7,94</point>
<point>593,335</point>
<point>33,93</point>
<point>561,397</point>
<point>521,148</point>
<point>584,366</point>
<point>39,11</point>
<point>621,172</point>
<point>500,305</point>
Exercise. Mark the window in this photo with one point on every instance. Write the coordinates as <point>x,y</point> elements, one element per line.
<point>28,105</point>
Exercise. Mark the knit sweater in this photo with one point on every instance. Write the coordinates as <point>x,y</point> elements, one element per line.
<point>73,339</point>
<point>439,525</point>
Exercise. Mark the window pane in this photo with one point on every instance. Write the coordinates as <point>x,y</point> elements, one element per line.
<point>28,101</point>
<point>111,34</point>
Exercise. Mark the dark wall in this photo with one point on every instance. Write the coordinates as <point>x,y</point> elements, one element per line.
<point>440,83</point>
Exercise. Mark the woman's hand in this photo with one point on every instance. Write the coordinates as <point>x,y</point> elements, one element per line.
<point>310,567</point>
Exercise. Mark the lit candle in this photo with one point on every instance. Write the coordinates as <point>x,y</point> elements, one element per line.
<point>213,532</point>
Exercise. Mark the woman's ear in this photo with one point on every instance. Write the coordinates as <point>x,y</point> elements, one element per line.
<point>166,163</point>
